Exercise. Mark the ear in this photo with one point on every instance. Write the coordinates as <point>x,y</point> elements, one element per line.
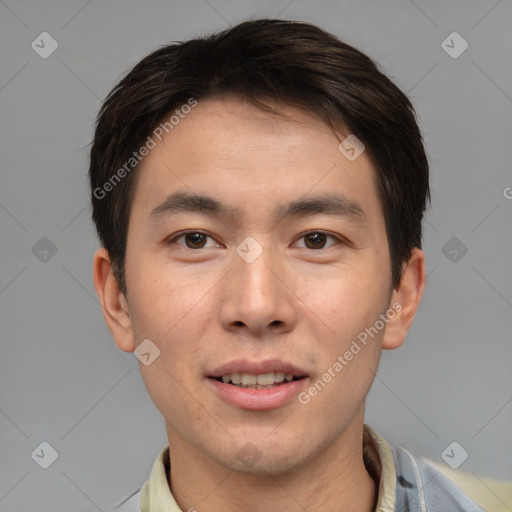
<point>407,296</point>
<point>113,303</point>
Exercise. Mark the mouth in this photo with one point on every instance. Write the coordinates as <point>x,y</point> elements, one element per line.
<point>257,385</point>
<point>258,381</point>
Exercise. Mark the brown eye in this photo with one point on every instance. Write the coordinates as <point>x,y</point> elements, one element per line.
<point>316,240</point>
<point>193,240</point>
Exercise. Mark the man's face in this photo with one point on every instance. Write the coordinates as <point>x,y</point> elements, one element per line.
<point>296,293</point>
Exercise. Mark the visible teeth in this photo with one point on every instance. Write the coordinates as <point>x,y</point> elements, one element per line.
<point>257,381</point>
<point>247,378</point>
<point>278,376</point>
<point>266,378</point>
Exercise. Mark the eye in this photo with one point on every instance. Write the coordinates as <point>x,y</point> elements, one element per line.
<point>197,240</point>
<point>316,239</point>
<point>193,239</point>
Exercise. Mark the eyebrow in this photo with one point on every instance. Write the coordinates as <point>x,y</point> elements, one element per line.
<point>329,204</point>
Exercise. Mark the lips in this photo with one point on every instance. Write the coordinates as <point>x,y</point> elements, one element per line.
<point>257,385</point>
<point>257,374</point>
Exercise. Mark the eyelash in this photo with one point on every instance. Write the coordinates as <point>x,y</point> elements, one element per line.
<point>183,233</point>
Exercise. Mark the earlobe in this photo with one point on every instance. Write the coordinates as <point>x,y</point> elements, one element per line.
<point>113,304</point>
<point>408,294</point>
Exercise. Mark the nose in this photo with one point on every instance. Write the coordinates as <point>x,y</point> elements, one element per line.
<point>258,297</point>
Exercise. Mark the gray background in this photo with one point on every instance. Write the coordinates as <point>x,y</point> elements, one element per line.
<point>63,380</point>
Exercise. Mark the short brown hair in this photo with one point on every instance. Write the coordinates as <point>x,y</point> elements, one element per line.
<point>293,63</point>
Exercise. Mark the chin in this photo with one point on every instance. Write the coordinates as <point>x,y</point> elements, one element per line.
<point>260,457</point>
<point>269,464</point>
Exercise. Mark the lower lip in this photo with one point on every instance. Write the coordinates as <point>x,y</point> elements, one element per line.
<point>258,399</point>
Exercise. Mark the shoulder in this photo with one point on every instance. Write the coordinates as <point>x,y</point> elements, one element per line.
<point>490,493</point>
<point>433,487</point>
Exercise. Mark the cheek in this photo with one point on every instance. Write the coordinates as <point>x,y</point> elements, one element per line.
<point>345,375</point>
<point>171,393</point>
<point>170,310</point>
<point>350,308</point>
<point>171,378</point>
<point>161,298</point>
<point>348,300</point>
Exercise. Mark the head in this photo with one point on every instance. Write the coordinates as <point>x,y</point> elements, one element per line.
<point>248,133</point>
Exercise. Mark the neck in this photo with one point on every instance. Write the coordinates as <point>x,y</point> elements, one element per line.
<point>334,479</point>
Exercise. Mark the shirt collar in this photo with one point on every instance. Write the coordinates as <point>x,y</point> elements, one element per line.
<point>378,458</point>
<point>377,454</point>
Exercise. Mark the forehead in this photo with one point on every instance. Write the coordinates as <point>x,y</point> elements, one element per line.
<point>233,129</point>
<point>241,155</point>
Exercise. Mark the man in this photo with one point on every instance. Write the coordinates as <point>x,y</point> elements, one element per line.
<point>259,195</point>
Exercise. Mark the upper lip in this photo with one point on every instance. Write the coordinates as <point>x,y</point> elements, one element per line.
<point>257,368</point>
